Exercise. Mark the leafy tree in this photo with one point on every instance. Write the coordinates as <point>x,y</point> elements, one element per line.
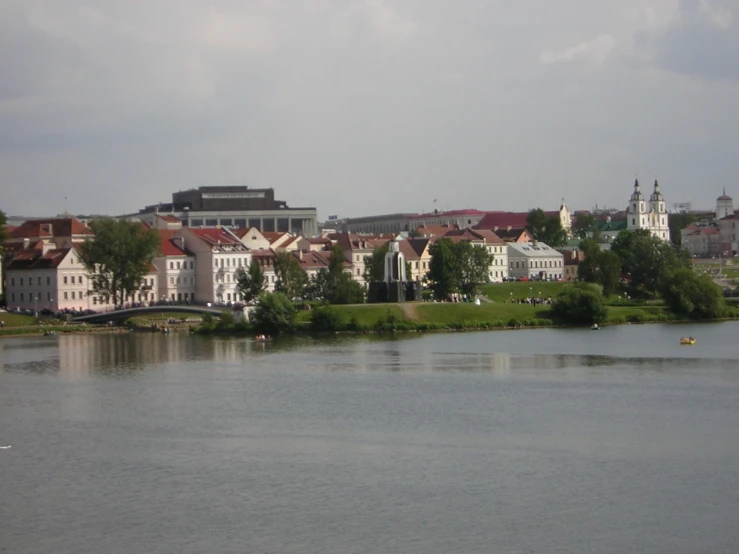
<point>444,268</point>
<point>546,229</point>
<point>119,256</point>
<point>317,288</point>
<point>251,283</point>
<point>676,222</point>
<point>646,258</point>
<point>474,266</point>
<point>457,267</point>
<point>274,314</point>
<point>3,223</point>
<point>584,223</point>
<point>290,277</point>
<point>334,285</point>
<point>691,294</point>
<point>374,264</point>
<point>580,303</point>
<point>600,267</point>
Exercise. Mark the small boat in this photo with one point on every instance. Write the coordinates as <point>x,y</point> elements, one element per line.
<point>594,327</point>
<point>687,340</point>
<point>262,338</point>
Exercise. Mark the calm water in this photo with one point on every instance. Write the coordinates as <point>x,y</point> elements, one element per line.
<point>547,441</point>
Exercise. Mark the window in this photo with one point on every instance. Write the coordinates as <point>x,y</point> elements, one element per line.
<point>65,280</point>
<point>72,295</point>
<point>65,295</point>
<point>48,280</point>
<point>48,296</point>
<point>171,265</point>
<point>178,265</point>
<point>12,296</point>
<point>192,280</point>
<point>38,280</point>
<point>21,297</point>
<point>178,280</point>
<point>192,265</point>
<point>12,281</point>
<point>79,279</point>
<point>171,280</point>
<point>22,281</point>
<point>94,300</point>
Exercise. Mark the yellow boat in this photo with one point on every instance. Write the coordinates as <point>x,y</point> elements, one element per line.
<point>687,340</point>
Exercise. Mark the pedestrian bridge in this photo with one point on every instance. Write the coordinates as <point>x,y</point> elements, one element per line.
<point>117,316</point>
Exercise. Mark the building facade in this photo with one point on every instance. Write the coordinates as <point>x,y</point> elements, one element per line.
<point>534,261</point>
<point>651,215</point>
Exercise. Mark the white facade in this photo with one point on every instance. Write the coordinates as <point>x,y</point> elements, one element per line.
<point>534,260</point>
<point>724,206</point>
<point>651,216</point>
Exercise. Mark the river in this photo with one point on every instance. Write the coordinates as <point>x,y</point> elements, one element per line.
<point>551,441</point>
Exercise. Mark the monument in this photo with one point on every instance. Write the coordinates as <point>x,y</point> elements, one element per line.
<point>395,286</point>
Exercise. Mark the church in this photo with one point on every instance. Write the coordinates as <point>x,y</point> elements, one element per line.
<point>652,216</point>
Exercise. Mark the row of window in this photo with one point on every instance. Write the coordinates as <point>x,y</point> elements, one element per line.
<point>181,280</point>
<point>30,281</point>
<point>226,262</point>
<point>537,263</point>
<point>31,297</point>
<point>182,266</point>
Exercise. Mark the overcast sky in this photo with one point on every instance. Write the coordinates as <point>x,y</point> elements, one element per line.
<point>360,107</point>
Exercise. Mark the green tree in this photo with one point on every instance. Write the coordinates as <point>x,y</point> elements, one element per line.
<point>600,267</point>
<point>274,314</point>
<point>647,258</point>
<point>474,266</point>
<point>374,264</point>
<point>676,223</point>
<point>3,223</point>
<point>580,303</point>
<point>251,283</point>
<point>444,268</point>
<point>335,285</point>
<point>546,229</point>
<point>691,294</point>
<point>584,223</point>
<point>119,256</point>
<point>290,277</point>
<point>326,318</point>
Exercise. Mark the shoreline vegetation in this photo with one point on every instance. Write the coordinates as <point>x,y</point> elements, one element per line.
<point>502,306</point>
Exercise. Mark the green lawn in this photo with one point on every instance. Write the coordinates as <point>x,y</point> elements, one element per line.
<point>454,312</point>
<point>365,314</point>
<point>17,320</point>
<point>503,292</point>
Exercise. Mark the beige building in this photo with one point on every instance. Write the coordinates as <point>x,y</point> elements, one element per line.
<point>534,260</point>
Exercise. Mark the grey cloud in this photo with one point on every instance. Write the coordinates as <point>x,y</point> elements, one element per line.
<point>702,41</point>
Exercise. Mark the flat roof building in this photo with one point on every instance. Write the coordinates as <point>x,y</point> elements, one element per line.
<point>235,206</point>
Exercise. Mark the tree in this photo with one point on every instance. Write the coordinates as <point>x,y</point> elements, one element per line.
<point>546,229</point>
<point>251,283</point>
<point>274,314</point>
<point>457,267</point>
<point>691,294</point>
<point>374,264</point>
<point>444,269</point>
<point>647,258</point>
<point>474,266</point>
<point>580,303</point>
<point>676,223</point>
<point>119,256</point>
<point>290,277</point>
<point>3,223</point>
<point>336,286</point>
<point>584,223</point>
<point>600,267</point>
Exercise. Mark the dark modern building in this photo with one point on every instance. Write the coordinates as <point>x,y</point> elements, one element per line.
<point>235,206</point>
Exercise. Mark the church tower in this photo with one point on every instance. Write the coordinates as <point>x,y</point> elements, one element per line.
<point>636,216</point>
<point>724,206</point>
<point>658,222</point>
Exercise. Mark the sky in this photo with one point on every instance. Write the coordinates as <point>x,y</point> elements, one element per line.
<point>364,107</point>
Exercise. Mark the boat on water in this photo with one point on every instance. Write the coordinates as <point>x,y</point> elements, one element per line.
<point>262,338</point>
<point>687,340</point>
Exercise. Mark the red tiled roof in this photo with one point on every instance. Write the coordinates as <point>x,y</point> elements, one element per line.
<point>450,213</point>
<point>435,230</point>
<point>216,236</point>
<point>50,227</point>
<point>170,218</point>
<point>33,259</point>
<point>167,244</point>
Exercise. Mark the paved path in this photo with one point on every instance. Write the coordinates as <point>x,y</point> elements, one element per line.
<point>410,310</point>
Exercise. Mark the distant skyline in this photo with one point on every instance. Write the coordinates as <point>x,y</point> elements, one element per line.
<point>369,106</point>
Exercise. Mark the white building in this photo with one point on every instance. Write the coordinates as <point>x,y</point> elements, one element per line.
<point>724,206</point>
<point>534,260</point>
<point>652,217</point>
<point>219,254</point>
<point>175,269</point>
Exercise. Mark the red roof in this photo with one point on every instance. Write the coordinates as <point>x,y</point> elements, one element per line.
<point>217,237</point>
<point>32,258</point>
<point>450,213</point>
<point>50,227</point>
<point>167,244</point>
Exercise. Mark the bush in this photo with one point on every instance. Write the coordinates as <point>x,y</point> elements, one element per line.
<point>692,295</point>
<point>580,303</point>
<point>326,318</point>
<point>274,314</point>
